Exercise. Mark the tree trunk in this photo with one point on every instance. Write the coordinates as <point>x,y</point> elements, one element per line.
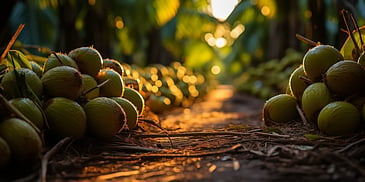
<point>69,37</point>
<point>97,29</point>
<point>282,29</point>
<point>317,30</point>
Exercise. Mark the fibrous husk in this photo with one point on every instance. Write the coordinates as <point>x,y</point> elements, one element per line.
<point>62,81</point>
<point>339,118</point>
<point>65,117</point>
<point>281,108</point>
<point>345,78</point>
<point>105,117</point>
<point>24,142</point>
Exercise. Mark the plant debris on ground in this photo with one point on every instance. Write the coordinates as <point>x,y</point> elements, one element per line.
<point>237,146</point>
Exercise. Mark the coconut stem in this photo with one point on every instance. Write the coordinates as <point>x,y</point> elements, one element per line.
<point>307,80</point>
<point>58,58</point>
<point>345,17</point>
<point>307,40</point>
<point>49,154</point>
<point>98,86</point>
<point>357,29</point>
<point>301,114</point>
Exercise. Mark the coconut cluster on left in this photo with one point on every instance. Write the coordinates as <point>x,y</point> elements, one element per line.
<point>68,95</point>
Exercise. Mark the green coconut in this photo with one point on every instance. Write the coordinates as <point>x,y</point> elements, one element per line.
<point>114,87</point>
<point>65,117</point>
<point>59,59</point>
<point>11,85</point>
<point>297,85</point>
<point>62,81</point>
<point>317,60</point>
<point>89,87</point>
<point>5,154</point>
<point>345,78</point>
<point>158,103</point>
<point>30,110</point>
<point>130,111</point>
<point>132,83</point>
<point>314,98</point>
<point>24,142</point>
<point>36,68</point>
<point>136,98</point>
<point>113,64</point>
<point>281,108</point>
<point>88,59</point>
<point>339,118</point>
<point>105,117</point>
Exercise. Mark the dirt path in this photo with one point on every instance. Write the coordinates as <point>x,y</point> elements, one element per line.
<point>222,107</point>
<point>221,138</point>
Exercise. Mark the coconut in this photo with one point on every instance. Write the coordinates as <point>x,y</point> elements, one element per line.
<point>37,69</point>
<point>113,64</point>
<point>30,110</point>
<point>24,142</point>
<point>130,111</point>
<point>10,85</point>
<point>87,59</point>
<point>280,109</point>
<point>158,104</point>
<point>339,118</point>
<point>62,81</point>
<point>296,84</point>
<point>105,117</point>
<point>5,154</point>
<point>317,60</point>
<point>345,78</point>
<point>314,98</point>
<point>59,59</point>
<point>89,83</point>
<point>115,85</point>
<point>136,98</point>
<point>132,83</point>
<point>65,117</point>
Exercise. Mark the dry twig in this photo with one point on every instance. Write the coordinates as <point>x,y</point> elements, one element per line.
<point>49,154</point>
<point>12,41</point>
<point>215,133</point>
<point>351,145</point>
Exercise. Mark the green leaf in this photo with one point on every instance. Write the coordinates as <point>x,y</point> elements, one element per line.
<point>348,46</point>
<point>312,136</point>
<point>19,59</point>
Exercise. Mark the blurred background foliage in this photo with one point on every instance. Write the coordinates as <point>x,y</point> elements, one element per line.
<point>224,37</point>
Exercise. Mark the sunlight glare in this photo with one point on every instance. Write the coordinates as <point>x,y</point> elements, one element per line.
<point>209,38</point>
<point>265,10</point>
<point>221,9</point>
<point>119,22</point>
<point>220,42</point>
<point>237,31</point>
<point>92,2</point>
<point>215,70</point>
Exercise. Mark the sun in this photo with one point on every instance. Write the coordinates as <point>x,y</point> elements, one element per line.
<point>221,9</point>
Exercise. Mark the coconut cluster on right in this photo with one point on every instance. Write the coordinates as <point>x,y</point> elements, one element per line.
<point>326,89</point>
